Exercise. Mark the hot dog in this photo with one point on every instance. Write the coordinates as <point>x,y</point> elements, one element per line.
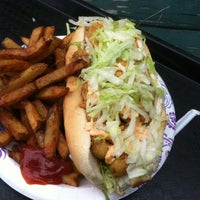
<point>114,114</point>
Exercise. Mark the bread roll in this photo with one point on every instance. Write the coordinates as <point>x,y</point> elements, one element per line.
<point>141,118</point>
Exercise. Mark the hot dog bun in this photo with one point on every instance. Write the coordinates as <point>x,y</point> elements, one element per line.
<point>79,140</point>
<point>79,137</point>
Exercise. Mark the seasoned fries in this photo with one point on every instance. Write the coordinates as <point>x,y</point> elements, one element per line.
<point>17,95</point>
<point>62,146</point>
<point>52,92</point>
<point>36,34</point>
<point>39,42</point>
<point>5,138</point>
<point>10,65</point>
<point>60,57</point>
<point>32,88</point>
<point>71,179</point>
<point>34,118</point>
<point>41,108</point>
<point>40,138</point>
<point>27,53</point>
<point>52,131</point>
<point>11,123</point>
<point>25,77</point>
<point>60,74</point>
<point>25,121</point>
<point>25,40</point>
<point>8,43</point>
<point>15,155</point>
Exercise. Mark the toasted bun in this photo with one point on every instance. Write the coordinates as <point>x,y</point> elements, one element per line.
<point>78,138</point>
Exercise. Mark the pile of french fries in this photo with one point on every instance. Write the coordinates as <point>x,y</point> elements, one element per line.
<point>32,88</point>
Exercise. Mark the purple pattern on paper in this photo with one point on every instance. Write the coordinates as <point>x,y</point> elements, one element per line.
<point>168,136</point>
<point>2,150</point>
<point>167,141</point>
<point>2,153</point>
<point>172,121</point>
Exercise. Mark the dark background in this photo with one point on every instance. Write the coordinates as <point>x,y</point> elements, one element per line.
<point>180,175</point>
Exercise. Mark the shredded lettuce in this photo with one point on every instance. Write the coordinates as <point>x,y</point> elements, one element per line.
<point>68,28</point>
<point>123,83</point>
<point>108,178</point>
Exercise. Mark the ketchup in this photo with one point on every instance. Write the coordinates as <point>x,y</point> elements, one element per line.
<point>36,168</point>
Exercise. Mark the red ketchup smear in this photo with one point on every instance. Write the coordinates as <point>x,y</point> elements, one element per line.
<point>36,168</point>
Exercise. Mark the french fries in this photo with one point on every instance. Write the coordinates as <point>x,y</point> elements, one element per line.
<point>10,65</point>
<point>25,121</point>
<point>25,77</point>
<point>5,138</point>
<point>62,146</point>
<point>71,179</point>
<point>32,88</point>
<point>54,44</point>
<point>11,123</point>
<point>40,138</point>
<point>25,53</point>
<point>52,131</point>
<point>8,43</point>
<point>25,40</point>
<point>34,118</point>
<point>36,34</point>
<point>15,155</point>
<point>17,95</point>
<point>60,57</point>
<point>60,73</point>
<point>39,42</point>
<point>41,108</point>
<point>52,92</point>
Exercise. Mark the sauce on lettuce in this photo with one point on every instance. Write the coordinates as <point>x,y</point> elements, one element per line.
<point>123,86</point>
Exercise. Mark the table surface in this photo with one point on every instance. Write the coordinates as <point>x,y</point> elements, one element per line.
<point>172,21</point>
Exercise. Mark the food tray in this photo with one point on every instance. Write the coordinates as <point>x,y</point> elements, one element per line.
<point>173,64</point>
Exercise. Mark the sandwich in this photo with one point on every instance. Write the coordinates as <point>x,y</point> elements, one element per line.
<point>114,113</point>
